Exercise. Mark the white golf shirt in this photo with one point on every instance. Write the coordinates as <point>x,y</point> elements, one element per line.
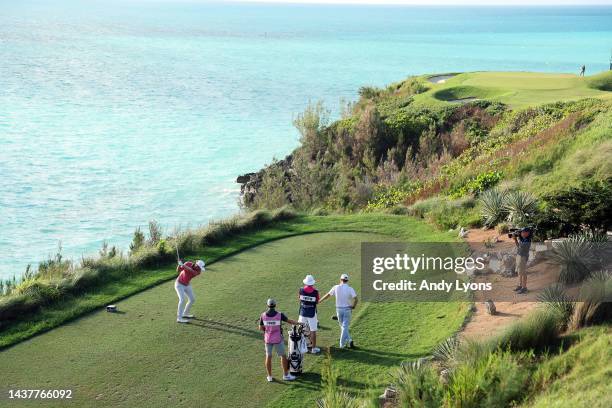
<point>344,295</point>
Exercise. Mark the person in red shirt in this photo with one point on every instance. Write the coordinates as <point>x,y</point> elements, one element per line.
<point>186,271</point>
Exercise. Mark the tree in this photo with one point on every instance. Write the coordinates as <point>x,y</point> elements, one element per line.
<point>589,205</point>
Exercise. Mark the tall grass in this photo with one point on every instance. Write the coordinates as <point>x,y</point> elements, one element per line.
<point>555,299</point>
<point>596,301</point>
<point>333,396</point>
<point>494,380</point>
<point>418,386</point>
<point>537,331</point>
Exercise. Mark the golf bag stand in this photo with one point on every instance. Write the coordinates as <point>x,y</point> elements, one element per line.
<point>297,348</point>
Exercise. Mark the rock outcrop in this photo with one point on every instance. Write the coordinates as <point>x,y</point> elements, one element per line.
<point>250,183</point>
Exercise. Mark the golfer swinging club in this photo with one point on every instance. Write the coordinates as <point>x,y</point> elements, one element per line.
<point>186,271</point>
<point>346,301</point>
<point>270,323</point>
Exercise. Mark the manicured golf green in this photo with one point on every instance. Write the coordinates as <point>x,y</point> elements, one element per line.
<point>140,357</point>
<point>518,89</point>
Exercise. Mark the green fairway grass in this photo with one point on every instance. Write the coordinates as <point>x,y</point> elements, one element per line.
<point>142,357</point>
<point>518,89</point>
<point>51,316</point>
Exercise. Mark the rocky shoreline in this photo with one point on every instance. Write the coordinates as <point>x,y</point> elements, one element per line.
<point>250,183</point>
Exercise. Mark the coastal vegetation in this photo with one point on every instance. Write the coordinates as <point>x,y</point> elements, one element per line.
<point>407,162</point>
<point>392,151</point>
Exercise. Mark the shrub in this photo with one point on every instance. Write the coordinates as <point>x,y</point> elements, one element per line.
<point>588,205</point>
<point>398,210</point>
<point>495,380</point>
<point>83,278</point>
<point>369,92</point>
<point>414,86</point>
<point>39,291</point>
<point>477,184</point>
<point>521,207</point>
<point>283,214</point>
<point>538,330</point>
<point>596,304</point>
<point>502,228</point>
<point>418,386</point>
<point>555,298</point>
<point>155,232</point>
<point>386,197</point>
<point>576,256</point>
<point>138,240</point>
<point>15,306</point>
<point>447,214</point>
<point>319,212</point>
<point>493,207</point>
<point>445,353</point>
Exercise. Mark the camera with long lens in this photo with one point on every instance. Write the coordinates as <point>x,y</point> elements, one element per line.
<point>516,232</point>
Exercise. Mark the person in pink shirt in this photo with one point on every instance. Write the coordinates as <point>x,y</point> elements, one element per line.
<point>270,322</point>
<point>187,271</point>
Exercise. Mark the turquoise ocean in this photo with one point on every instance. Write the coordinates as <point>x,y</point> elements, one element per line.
<point>113,113</point>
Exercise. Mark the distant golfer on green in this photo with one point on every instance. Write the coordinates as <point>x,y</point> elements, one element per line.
<point>346,301</point>
<point>270,323</point>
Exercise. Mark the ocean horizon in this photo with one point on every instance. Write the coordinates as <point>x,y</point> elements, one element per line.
<point>114,113</point>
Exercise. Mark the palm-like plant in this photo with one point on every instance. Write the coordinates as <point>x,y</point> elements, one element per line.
<point>576,256</point>
<point>493,206</point>
<point>520,207</point>
<point>595,300</point>
<point>555,298</point>
<point>446,352</point>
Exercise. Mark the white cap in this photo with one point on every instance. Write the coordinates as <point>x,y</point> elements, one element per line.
<point>309,280</point>
<point>201,264</point>
<point>344,276</point>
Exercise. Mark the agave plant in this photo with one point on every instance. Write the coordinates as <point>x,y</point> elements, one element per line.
<point>340,399</point>
<point>493,207</point>
<point>577,258</point>
<point>446,352</point>
<point>555,298</point>
<point>418,385</point>
<point>520,207</point>
<point>595,301</point>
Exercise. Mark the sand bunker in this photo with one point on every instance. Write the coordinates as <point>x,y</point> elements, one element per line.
<point>440,79</point>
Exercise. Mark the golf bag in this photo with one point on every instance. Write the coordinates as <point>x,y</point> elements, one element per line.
<point>297,349</point>
<point>306,334</point>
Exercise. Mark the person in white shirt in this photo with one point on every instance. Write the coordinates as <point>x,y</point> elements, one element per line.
<point>346,301</point>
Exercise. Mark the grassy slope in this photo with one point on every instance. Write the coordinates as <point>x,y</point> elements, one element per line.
<point>583,155</point>
<point>582,376</point>
<point>518,89</point>
<point>142,358</point>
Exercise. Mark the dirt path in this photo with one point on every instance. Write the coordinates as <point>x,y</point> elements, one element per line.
<point>540,275</point>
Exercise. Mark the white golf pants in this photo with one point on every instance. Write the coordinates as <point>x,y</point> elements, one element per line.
<point>183,292</point>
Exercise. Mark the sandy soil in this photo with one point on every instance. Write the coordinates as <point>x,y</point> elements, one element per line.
<point>540,275</point>
<point>440,79</point>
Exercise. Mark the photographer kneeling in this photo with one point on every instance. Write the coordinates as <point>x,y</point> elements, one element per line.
<point>522,239</point>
